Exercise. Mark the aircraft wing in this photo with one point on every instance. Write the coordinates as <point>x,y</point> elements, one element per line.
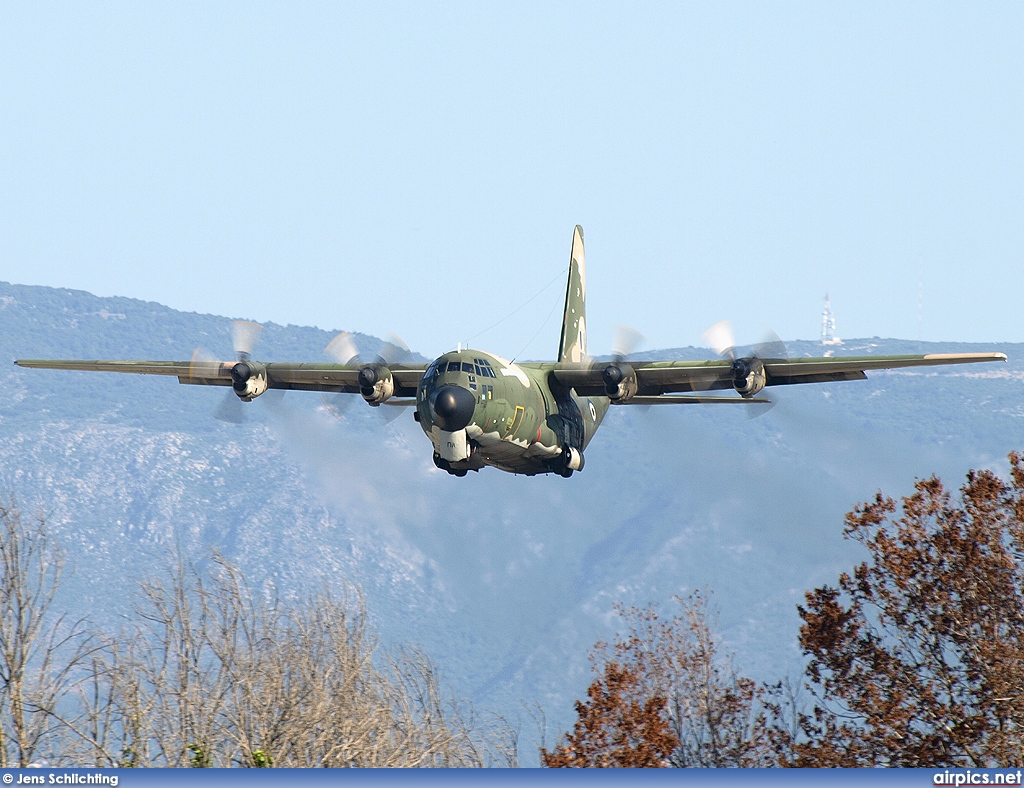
<point>280,375</point>
<point>658,378</point>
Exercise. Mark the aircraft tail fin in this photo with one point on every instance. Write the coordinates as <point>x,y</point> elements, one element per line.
<point>572,346</point>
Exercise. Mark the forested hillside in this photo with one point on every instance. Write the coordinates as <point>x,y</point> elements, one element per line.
<point>504,581</point>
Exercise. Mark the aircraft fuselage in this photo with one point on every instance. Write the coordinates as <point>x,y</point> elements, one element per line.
<point>478,409</point>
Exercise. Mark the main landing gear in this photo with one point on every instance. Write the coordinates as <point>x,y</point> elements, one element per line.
<point>570,460</point>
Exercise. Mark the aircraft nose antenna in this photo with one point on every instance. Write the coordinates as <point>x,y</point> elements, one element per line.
<point>453,407</point>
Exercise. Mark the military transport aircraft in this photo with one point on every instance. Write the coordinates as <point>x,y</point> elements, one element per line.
<point>478,409</point>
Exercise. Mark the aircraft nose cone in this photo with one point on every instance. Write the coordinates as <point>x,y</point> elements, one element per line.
<point>453,407</point>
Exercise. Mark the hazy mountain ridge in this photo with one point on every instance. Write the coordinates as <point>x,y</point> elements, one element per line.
<point>505,581</point>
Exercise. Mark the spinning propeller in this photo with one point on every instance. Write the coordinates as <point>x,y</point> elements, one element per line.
<point>618,376</point>
<point>346,349</point>
<point>244,336</point>
<point>720,338</point>
<point>747,371</point>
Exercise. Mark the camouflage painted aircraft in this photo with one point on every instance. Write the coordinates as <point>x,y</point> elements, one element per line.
<point>478,409</point>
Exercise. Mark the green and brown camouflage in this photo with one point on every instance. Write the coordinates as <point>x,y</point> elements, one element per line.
<point>480,410</point>
<point>572,344</point>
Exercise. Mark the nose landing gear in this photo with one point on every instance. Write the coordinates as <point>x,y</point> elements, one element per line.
<point>444,465</point>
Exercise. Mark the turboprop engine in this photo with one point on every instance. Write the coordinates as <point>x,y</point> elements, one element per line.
<point>619,382</point>
<point>748,376</point>
<point>376,383</point>
<point>248,379</point>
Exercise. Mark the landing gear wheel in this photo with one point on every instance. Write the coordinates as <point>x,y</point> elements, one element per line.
<point>459,472</point>
<point>570,460</point>
<point>441,463</point>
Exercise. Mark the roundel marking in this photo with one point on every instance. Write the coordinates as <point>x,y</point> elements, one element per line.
<point>593,411</point>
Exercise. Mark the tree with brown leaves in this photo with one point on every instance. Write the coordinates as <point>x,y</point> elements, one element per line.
<point>917,657</point>
<point>617,727</point>
<point>672,667</point>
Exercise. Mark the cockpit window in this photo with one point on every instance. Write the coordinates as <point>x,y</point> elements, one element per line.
<point>466,367</point>
<point>454,366</point>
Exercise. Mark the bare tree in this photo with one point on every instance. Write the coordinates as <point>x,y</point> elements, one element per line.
<point>39,654</point>
<point>211,673</point>
<point>217,676</point>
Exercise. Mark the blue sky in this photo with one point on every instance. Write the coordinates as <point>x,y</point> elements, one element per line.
<point>419,168</point>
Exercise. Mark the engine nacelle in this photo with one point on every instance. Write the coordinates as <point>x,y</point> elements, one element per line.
<point>748,376</point>
<point>376,384</point>
<point>619,382</point>
<point>248,379</point>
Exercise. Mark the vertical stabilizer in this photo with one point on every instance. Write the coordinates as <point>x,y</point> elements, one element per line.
<point>572,346</point>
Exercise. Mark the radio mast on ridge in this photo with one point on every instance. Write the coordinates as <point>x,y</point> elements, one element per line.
<point>828,325</point>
